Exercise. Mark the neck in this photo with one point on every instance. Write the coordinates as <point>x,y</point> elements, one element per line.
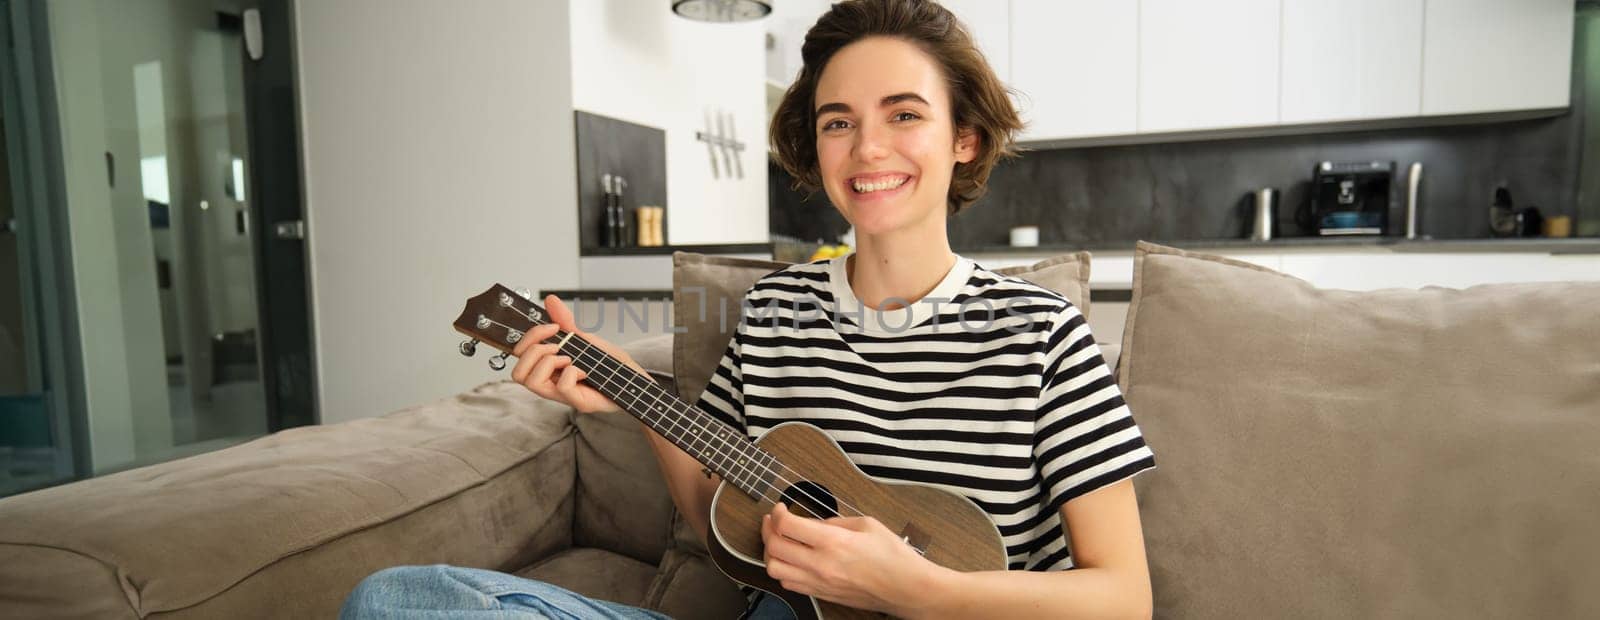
<point>902,265</point>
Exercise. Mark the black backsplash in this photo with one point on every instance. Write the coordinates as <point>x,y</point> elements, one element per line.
<point>610,146</point>
<point>807,217</point>
<point>1202,189</point>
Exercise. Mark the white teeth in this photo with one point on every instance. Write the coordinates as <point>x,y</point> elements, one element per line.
<point>862,188</point>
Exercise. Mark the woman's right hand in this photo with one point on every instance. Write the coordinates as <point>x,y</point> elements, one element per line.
<point>551,375</point>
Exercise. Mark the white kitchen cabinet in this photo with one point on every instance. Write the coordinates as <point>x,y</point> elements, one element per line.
<point>1076,67</point>
<point>787,26</point>
<point>1351,60</point>
<point>989,21</point>
<point>1495,55</point>
<point>1207,65</point>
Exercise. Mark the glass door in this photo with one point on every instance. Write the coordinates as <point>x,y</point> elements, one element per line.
<point>157,174</point>
<point>29,450</point>
<point>37,447</point>
<point>147,309</point>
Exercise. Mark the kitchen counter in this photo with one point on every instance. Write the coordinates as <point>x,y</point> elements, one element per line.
<point>1348,262</point>
<point>665,295</point>
<point>1575,245</point>
<point>707,248</point>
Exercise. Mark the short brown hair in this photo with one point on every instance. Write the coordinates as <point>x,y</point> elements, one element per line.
<point>980,102</point>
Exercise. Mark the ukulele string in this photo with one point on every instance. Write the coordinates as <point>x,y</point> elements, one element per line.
<point>675,424</point>
<point>776,475</point>
<point>600,361</point>
<point>664,406</point>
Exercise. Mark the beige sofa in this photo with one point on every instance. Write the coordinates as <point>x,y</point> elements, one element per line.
<point>1431,453</point>
<point>286,526</point>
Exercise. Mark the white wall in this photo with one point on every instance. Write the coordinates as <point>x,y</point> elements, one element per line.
<point>438,146</point>
<point>634,60</point>
<point>788,23</point>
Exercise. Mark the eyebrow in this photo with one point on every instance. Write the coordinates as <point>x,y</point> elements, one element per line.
<point>886,101</point>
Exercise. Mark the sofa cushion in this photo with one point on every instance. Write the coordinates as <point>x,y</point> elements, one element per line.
<point>596,573</point>
<point>707,292</point>
<point>689,586</point>
<point>1067,274</point>
<point>622,503</point>
<point>654,353</point>
<point>706,295</point>
<point>1393,453</point>
<point>291,522</point>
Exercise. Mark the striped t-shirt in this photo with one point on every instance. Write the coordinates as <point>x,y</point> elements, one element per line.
<point>989,386</point>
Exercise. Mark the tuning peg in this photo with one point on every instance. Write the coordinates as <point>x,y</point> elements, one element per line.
<point>468,347</point>
<point>498,362</point>
<point>526,293</point>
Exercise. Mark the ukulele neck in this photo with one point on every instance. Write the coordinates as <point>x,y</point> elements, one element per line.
<point>722,449</point>
<point>500,317</point>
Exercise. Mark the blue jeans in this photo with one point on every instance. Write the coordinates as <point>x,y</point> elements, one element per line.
<point>442,591</point>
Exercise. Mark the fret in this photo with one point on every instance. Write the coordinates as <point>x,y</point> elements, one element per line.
<point>698,444</point>
<point>769,482</point>
<point>742,463</point>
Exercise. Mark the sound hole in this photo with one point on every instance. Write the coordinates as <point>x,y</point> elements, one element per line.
<point>809,498</point>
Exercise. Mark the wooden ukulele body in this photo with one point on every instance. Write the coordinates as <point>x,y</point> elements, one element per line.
<point>946,528</point>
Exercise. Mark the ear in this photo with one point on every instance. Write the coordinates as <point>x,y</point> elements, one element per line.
<point>967,144</point>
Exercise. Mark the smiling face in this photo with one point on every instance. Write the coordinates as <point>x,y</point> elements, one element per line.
<point>886,140</point>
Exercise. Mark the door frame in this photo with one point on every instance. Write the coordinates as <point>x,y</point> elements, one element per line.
<point>283,291</point>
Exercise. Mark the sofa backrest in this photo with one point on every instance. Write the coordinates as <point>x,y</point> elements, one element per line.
<point>1394,453</point>
<point>621,503</point>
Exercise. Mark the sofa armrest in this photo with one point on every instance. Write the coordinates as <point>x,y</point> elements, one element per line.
<point>288,524</point>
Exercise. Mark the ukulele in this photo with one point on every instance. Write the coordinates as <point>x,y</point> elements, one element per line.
<point>794,462</point>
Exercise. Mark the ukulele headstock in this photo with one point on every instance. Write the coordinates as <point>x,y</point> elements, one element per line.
<point>498,317</point>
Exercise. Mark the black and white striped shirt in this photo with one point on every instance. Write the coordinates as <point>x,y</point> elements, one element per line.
<point>990,386</point>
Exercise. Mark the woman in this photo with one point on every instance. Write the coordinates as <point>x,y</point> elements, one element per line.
<point>897,117</point>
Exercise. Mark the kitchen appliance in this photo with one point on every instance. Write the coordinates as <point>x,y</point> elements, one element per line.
<point>1530,223</point>
<point>1350,198</point>
<point>1413,187</point>
<point>1266,220</point>
<point>1025,236</point>
<point>1502,213</point>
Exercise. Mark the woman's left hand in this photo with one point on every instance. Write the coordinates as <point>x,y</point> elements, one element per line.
<point>853,561</point>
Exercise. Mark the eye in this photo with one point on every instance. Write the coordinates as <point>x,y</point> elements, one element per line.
<point>837,123</point>
<point>906,116</point>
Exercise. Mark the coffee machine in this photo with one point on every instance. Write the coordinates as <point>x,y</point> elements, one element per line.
<point>1350,198</point>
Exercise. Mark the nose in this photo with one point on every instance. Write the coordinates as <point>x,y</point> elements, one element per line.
<point>872,142</point>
